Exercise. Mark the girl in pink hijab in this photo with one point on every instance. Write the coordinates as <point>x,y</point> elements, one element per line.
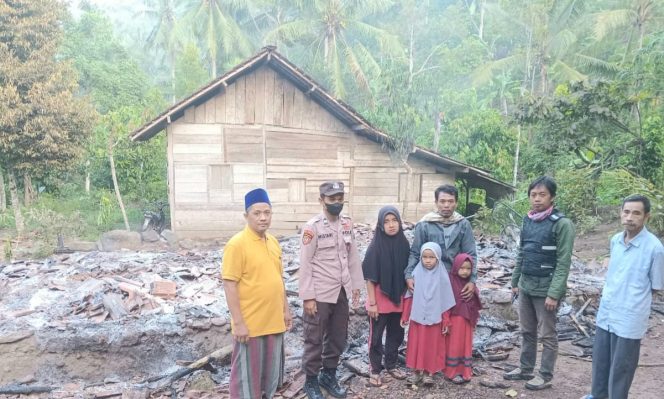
<point>463,319</point>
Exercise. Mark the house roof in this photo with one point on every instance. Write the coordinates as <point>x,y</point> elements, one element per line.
<point>344,112</point>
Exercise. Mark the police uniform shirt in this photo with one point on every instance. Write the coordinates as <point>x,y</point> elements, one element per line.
<point>329,259</point>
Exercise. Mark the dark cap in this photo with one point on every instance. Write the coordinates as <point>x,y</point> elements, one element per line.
<point>330,188</point>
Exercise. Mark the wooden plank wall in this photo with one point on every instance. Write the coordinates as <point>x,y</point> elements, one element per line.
<point>381,179</point>
<point>261,131</point>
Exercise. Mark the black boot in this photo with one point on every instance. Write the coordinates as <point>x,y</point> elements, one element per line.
<point>312,389</point>
<point>328,380</point>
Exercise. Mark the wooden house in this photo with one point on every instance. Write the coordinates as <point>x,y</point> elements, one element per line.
<point>267,124</point>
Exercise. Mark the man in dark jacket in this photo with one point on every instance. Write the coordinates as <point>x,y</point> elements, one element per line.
<point>540,281</point>
<point>450,230</point>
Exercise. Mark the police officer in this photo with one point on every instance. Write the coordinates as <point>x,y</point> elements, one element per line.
<point>330,267</point>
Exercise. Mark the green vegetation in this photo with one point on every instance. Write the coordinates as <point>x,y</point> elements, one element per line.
<point>568,88</point>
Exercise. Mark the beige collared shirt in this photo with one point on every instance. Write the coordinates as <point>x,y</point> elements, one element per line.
<point>329,259</point>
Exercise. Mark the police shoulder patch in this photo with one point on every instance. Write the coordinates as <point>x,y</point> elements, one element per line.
<point>307,236</point>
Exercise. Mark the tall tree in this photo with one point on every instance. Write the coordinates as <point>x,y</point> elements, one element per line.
<point>115,82</point>
<point>106,71</point>
<point>42,123</point>
<point>190,71</point>
<point>629,18</point>
<point>588,119</point>
<point>167,35</point>
<point>215,23</point>
<point>340,40</point>
<point>549,51</point>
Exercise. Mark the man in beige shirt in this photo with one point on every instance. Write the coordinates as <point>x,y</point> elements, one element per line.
<point>330,267</point>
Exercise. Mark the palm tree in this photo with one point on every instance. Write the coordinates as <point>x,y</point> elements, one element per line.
<point>215,24</point>
<point>631,17</point>
<point>339,39</point>
<point>166,36</point>
<point>268,17</point>
<point>551,49</point>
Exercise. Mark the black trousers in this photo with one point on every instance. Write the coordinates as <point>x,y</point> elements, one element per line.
<point>393,340</point>
<point>614,363</point>
<point>325,335</point>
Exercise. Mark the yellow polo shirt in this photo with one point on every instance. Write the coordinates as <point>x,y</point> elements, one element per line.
<point>256,266</point>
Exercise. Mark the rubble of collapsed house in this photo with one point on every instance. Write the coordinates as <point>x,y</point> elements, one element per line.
<point>141,324</point>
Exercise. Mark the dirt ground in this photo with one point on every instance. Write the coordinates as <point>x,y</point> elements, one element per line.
<point>571,381</point>
<point>572,377</point>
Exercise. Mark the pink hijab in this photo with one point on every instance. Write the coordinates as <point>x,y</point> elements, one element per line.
<point>468,309</point>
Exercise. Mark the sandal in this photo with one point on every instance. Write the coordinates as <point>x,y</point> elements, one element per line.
<point>397,373</point>
<point>427,381</point>
<point>459,380</point>
<point>375,380</point>
<point>414,379</point>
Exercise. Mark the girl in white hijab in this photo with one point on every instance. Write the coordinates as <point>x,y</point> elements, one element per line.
<point>426,311</point>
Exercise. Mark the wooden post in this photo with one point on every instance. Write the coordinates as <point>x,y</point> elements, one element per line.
<point>467,196</point>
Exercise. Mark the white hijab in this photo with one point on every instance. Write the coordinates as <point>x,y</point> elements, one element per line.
<point>433,292</point>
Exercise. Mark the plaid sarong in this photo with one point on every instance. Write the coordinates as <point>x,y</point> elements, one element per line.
<point>257,367</point>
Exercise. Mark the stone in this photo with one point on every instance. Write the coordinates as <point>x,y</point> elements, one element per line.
<point>500,296</point>
<point>170,237</point>
<point>82,246</point>
<point>218,321</point>
<point>507,312</point>
<point>202,382</point>
<point>187,244</point>
<point>199,324</point>
<point>116,240</point>
<point>150,236</point>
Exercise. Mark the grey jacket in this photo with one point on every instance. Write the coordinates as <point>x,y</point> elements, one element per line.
<point>461,241</point>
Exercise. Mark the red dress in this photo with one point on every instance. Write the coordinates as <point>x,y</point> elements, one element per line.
<point>426,343</point>
<point>459,356</point>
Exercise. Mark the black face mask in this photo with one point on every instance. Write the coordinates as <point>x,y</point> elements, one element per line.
<point>334,209</point>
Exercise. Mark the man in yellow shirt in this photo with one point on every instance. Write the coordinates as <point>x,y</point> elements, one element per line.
<point>256,297</point>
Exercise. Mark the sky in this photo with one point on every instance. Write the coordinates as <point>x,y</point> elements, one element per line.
<point>116,9</point>
<point>122,13</point>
